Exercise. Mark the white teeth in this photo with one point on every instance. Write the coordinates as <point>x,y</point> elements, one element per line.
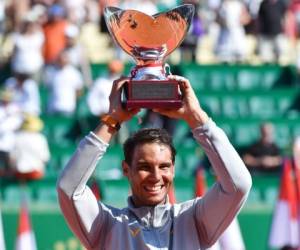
<point>153,188</point>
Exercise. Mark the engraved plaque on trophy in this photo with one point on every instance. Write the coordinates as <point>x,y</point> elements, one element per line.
<point>149,40</point>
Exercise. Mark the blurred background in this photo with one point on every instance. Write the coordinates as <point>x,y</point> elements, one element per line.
<point>57,64</point>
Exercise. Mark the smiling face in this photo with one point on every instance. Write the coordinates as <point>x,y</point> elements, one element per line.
<point>150,173</point>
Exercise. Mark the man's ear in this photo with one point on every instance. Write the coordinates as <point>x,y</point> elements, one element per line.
<point>125,168</point>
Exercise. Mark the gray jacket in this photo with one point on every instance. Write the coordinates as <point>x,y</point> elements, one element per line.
<point>194,224</point>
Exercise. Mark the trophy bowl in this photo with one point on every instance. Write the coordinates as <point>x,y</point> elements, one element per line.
<point>149,40</point>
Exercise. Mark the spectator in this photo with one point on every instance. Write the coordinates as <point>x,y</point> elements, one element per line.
<point>98,95</point>
<point>263,155</point>
<point>252,27</point>
<point>77,54</point>
<point>91,37</point>
<point>16,12</point>
<point>25,92</point>
<point>27,54</point>
<point>231,45</point>
<point>293,28</point>
<point>10,121</point>
<point>30,154</point>
<point>190,43</point>
<point>65,84</point>
<point>54,30</point>
<point>76,10</point>
<point>38,13</point>
<point>271,16</point>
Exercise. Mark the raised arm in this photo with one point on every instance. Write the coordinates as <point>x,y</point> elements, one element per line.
<point>84,215</point>
<point>215,211</point>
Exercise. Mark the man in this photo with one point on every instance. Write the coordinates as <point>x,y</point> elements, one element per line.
<point>66,85</point>
<point>263,155</point>
<point>25,92</point>
<point>271,38</point>
<point>30,153</point>
<point>149,221</point>
<point>98,94</point>
<point>11,119</point>
<point>98,97</point>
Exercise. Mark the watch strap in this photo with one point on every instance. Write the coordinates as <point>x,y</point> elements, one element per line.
<point>110,121</point>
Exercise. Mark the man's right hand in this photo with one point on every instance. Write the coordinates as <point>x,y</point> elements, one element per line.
<point>116,110</point>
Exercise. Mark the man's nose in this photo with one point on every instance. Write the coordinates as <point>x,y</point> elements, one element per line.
<point>155,174</point>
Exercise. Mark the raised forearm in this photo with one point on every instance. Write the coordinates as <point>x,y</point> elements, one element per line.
<point>104,132</point>
<point>216,210</point>
<point>78,204</point>
<point>75,175</point>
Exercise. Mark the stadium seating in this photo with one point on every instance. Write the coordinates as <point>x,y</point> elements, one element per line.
<point>237,97</point>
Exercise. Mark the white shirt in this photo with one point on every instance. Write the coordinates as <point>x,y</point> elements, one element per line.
<point>231,11</point>
<point>98,95</point>
<point>10,120</point>
<point>30,152</point>
<point>77,8</point>
<point>28,56</point>
<point>64,86</point>
<point>231,40</point>
<point>27,96</point>
<point>75,55</point>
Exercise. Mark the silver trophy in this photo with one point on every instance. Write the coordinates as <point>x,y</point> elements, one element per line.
<point>149,40</point>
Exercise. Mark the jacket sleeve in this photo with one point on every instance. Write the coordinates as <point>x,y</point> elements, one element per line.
<point>219,206</point>
<point>83,213</point>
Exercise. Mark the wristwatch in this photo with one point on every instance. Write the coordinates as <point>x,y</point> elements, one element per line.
<point>110,121</point>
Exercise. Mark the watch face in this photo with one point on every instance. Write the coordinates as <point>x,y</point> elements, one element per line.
<point>110,120</point>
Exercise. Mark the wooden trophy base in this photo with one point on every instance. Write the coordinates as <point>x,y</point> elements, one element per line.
<point>152,94</point>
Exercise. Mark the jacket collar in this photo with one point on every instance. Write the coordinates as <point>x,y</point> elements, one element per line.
<point>154,216</point>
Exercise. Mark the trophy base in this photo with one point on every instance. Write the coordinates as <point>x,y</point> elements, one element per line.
<point>152,94</point>
<point>150,104</point>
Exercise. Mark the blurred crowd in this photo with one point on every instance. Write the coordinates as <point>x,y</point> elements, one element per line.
<point>53,43</point>
<point>251,31</point>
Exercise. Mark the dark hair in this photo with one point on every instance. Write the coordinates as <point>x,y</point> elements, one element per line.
<point>147,135</point>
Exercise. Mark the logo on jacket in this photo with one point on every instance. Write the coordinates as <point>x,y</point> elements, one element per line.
<point>134,231</point>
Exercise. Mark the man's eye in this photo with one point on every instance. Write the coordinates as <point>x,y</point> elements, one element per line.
<point>167,166</point>
<point>143,167</point>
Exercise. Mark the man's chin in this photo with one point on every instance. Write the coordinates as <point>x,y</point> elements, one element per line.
<point>156,201</point>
